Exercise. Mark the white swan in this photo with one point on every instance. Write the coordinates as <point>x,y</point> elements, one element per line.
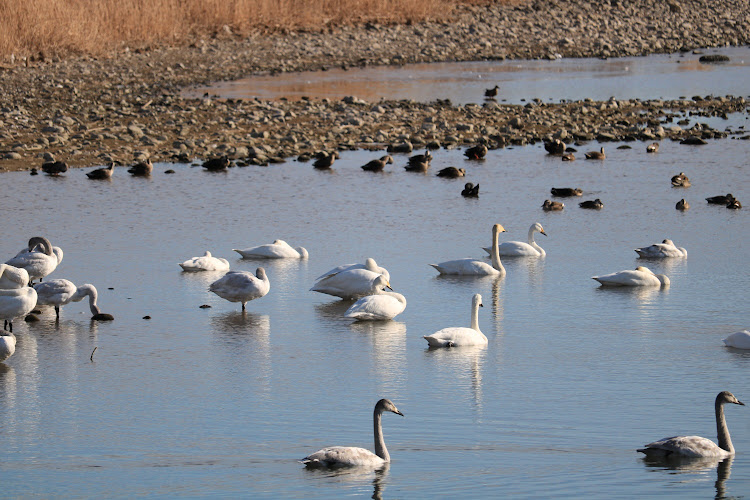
<point>13,277</point>
<point>661,250</point>
<point>476,267</point>
<point>739,340</point>
<point>640,276</point>
<point>62,292</point>
<point>7,345</point>
<point>461,336</point>
<point>205,263</point>
<point>369,264</point>
<point>348,456</point>
<point>521,249</point>
<point>696,446</point>
<point>377,307</point>
<point>279,249</point>
<point>241,286</point>
<point>39,259</point>
<point>352,284</point>
<point>15,303</point>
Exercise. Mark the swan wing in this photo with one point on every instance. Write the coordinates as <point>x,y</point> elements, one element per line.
<point>686,446</point>
<point>342,456</point>
<point>55,292</point>
<point>517,248</point>
<point>660,251</point>
<point>738,340</point>
<point>339,269</point>
<point>269,251</point>
<point>628,278</point>
<point>352,283</point>
<point>205,263</point>
<point>238,286</point>
<point>456,337</point>
<point>376,307</point>
<point>470,267</point>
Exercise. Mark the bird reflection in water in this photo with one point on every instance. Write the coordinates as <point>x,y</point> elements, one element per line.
<point>698,468</point>
<point>354,476</point>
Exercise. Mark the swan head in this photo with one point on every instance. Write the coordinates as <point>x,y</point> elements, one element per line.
<point>40,241</point>
<point>302,252</point>
<point>388,159</point>
<point>644,269</point>
<point>260,273</point>
<point>667,241</point>
<point>663,279</point>
<point>381,282</point>
<point>476,300</point>
<point>536,227</point>
<point>207,254</point>
<point>497,229</point>
<point>728,397</point>
<point>387,405</point>
<point>280,242</point>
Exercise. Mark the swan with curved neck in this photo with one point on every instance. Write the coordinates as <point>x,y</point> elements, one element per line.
<point>279,249</point>
<point>39,259</point>
<point>461,336</point>
<point>696,446</point>
<point>348,456</point>
<point>241,286</point>
<point>520,248</point>
<point>473,267</point>
<point>640,276</point>
<point>205,263</point>
<point>369,264</point>
<point>61,292</point>
<point>663,250</point>
<point>386,305</point>
<point>352,284</point>
<point>13,277</point>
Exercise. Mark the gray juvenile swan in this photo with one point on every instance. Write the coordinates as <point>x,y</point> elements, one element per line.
<point>696,446</point>
<point>348,456</point>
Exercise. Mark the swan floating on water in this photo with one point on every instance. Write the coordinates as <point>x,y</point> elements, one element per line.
<point>738,340</point>
<point>352,284</point>
<point>696,446</point>
<point>279,249</point>
<point>16,302</point>
<point>473,267</point>
<point>640,276</point>
<point>662,250</point>
<point>61,292</point>
<point>241,286</point>
<point>205,263</point>
<point>369,264</point>
<point>39,259</point>
<point>349,456</point>
<point>461,336</point>
<point>520,248</point>
<point>385,306</point>
<point>7,345</point>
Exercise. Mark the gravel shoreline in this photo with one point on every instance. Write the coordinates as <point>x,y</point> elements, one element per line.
<point>90,112</point>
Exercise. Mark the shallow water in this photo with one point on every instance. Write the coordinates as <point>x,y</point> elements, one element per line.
<point>670,76</point>
<point>211,401</point>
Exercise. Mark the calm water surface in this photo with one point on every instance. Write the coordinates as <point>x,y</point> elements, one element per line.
<point>668,76</point>
<point>197,402</point>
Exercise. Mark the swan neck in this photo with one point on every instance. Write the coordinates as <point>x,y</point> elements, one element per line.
<point>475,317</point>
<point>725,442</point>
<point>496,252</point>
<point>90,291</point>
<point>380,449</point>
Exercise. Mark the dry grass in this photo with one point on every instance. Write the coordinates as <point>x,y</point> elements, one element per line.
<point>64,27</point>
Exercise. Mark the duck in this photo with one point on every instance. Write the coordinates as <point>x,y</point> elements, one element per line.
<point>568,157</point>
<point>39,259</point>
<point>61,292</point>
<point>217,164</point>
<point>555,147</point>
<point>205,263</point>
<point>652,148</point>
<point>461,336</point>
<point>383,306</point>
<point>680,180</point>
<point>738,340</point>
<point>16,303</point>
<point>491,93</point>
<point>595,204</point>
<point>734,204</point>
<point>665,249</point>
<point>640,276</point>
<point>141,168</point>
<point>325,160</point>
<point>351,456</point>
<point>474,267</point>
<point>279,249</point>
<point>54,168</point>
<point>419,163</point>
<point>13,277</point>
<point>242,286</point>
<point>377,165</point>
<point>369,265</point>
<point>477,152</point>
<point>451,172</point>
<point>102,173</point>
<point>470,190</point>
<point>596,155</point>
<point>7,345</point>
<point>682,205</point>
<point>352,284</point>
<point>566,192</point>
<point>520,248</point>
<point>696,446</point>
<point>550,205</point>
<point>720,200</point>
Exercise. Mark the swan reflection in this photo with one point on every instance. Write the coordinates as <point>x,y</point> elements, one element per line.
<point>354,476</point>
<point>463,366</point>
<point>695,469</point>
<point>388,340</point>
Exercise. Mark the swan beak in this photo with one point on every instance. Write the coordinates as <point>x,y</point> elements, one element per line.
<point>389,288</point>
<point>740,403</point>
<point>545,234</point>
<point>398,413</point>
<point>481,305</point>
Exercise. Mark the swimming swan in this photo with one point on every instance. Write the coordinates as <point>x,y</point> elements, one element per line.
<point>696,446</point>
<point>39,259</point>
<point>369,264</point>
<point>348,456</point>
<point>15,303</point>
<point>661,250</point>
<point>7,345</point>
<point>205,263</point>
<point>738,340</point>
<point>473,267</point>
<point>241,286</point>
<point>387,305</point>
<point>521,249</point>
<point>461,336</point>
<point>279,249</point>
<point>13,277</point>
<point>62,292</point>
<point>640,276</point>
<point>352,284</point>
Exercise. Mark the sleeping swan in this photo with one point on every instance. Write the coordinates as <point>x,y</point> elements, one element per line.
<point>661,250</point>
<point>352,284</point>
<point>369,264</point>
<point>241,286</point>
<point>473,267</point>
<point>205,263</point>
<point>640,276</point>
<point>39,259</point>
<point>461,336</point>
<point>387,305</point>
<point>279,249</point>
